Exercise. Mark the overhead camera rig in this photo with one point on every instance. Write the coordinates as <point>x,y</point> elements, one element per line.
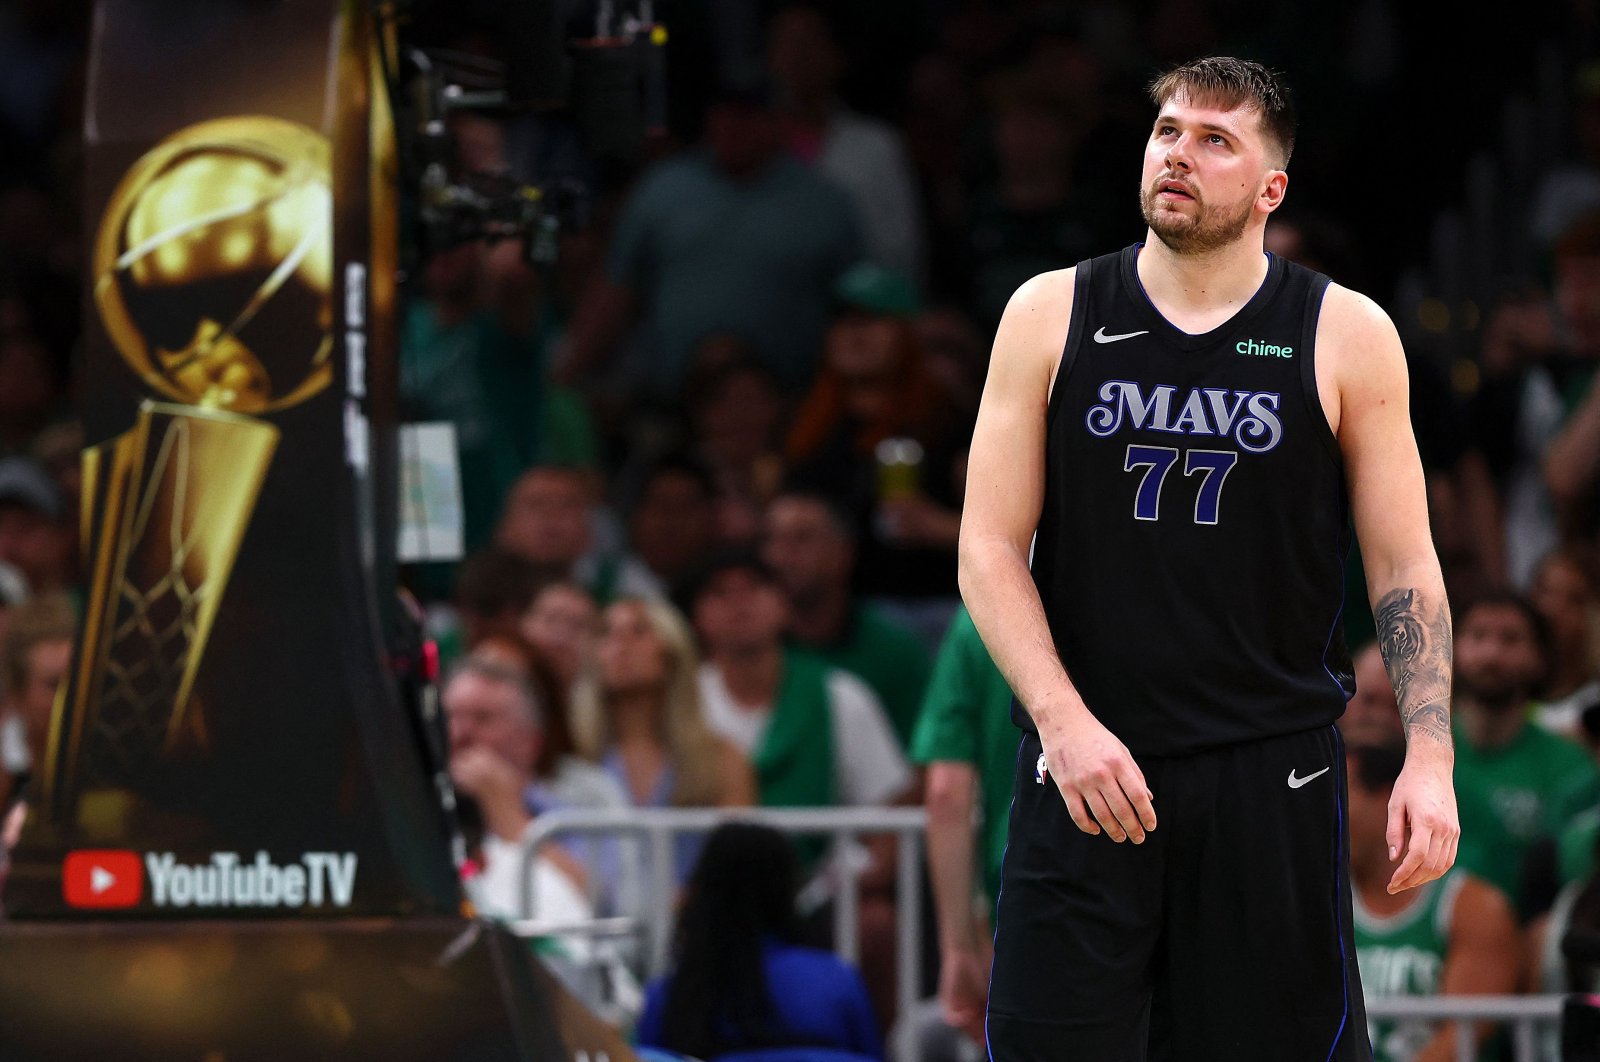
<point>598,64</point>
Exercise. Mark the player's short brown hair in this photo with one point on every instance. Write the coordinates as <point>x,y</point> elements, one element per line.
<point>1226,82</point>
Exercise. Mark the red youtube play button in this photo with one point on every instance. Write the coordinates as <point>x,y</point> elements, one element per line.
<point>102,878</point>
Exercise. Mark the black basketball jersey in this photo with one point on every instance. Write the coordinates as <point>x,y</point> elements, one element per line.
<point>1190,552</point>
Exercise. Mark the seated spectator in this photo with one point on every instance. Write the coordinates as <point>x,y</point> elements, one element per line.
<point>549,520</point>
<point>1567,595</point>
<point>1453,936</point>
<point>495,725</point>
<point>816,735</point>
<point>492,591</point>
<point>673,524</point>
<point>636,711</point>
<point>36,536</point>
<point>1515,782</point>
<point>562,778</point>
<point>957,355</point>
<point>560,626</point>
<point>736,416</point>
<point>740,982</point>
<point>37,653</point>
<point>1371,716</point>
<point>874,387</point>
<point>512,654</point>
<point>810,546</point>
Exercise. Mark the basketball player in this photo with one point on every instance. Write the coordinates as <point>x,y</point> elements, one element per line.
<point>1185,430</point>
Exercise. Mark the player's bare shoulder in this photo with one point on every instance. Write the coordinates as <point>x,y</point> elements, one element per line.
<point>1360,362</point>
<point>1354,334</point>
<point>1033,331</point>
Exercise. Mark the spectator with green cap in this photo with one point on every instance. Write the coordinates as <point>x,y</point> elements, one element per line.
<point>881,435</point>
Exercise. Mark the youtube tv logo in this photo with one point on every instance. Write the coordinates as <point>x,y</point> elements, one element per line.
<point>102,878</point>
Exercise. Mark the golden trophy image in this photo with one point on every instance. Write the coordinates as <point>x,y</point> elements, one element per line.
<point>212,275</point>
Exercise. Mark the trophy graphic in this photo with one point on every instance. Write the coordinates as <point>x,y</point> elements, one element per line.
<point>212,276</point>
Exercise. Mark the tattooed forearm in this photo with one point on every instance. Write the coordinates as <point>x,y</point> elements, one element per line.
<point>1414,637</point>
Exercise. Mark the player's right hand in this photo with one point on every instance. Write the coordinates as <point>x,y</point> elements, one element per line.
<point>1102,786</point>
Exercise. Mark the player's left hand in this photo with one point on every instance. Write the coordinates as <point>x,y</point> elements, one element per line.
<point>1423,806</point>
<point>964,988</point>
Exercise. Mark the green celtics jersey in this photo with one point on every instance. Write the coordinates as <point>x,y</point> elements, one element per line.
<point>1403,955</point>
<point>1511,796</point>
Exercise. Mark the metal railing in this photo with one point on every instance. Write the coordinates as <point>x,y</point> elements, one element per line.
<point>659,828</point>
<point>1525,1015</point>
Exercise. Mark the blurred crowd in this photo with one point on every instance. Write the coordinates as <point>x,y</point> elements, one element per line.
<point>711,464</point>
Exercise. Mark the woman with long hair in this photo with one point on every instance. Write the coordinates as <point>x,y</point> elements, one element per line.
<point>739,981</point>
<point>636,712</point>
<point>560,625</point>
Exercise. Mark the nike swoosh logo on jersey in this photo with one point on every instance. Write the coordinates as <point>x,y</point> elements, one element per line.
<point>1101,337</point>
<point>1296,783</point>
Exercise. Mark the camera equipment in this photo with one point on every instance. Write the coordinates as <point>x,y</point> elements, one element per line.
<point>592,69</point>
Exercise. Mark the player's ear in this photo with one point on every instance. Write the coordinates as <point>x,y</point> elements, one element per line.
<point>1273,190</point>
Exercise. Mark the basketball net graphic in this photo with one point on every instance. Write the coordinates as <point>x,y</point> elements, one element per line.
<point>212,277</point>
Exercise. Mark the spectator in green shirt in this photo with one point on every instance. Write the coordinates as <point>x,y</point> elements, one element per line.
<point>1515,781</point>
<point>966,739</point>
<point>810,545</point>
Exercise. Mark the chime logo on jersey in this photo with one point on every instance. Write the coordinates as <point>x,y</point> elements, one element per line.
<point>1263,350</point>
<point>1249,417</point>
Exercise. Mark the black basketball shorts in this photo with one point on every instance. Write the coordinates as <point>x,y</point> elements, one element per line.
<point>1224,937</point>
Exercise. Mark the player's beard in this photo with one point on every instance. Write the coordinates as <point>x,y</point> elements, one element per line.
<point>1206,230</point>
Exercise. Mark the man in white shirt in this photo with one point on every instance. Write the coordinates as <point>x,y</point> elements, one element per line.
<point>773,701</point>
<point>495,734</point>
<point>816,735</point>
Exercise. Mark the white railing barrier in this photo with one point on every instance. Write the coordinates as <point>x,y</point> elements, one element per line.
<point>659,829</point>
<point>1525,1015</point>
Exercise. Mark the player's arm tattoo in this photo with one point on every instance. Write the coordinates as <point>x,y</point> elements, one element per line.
<point>1414,637</point>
